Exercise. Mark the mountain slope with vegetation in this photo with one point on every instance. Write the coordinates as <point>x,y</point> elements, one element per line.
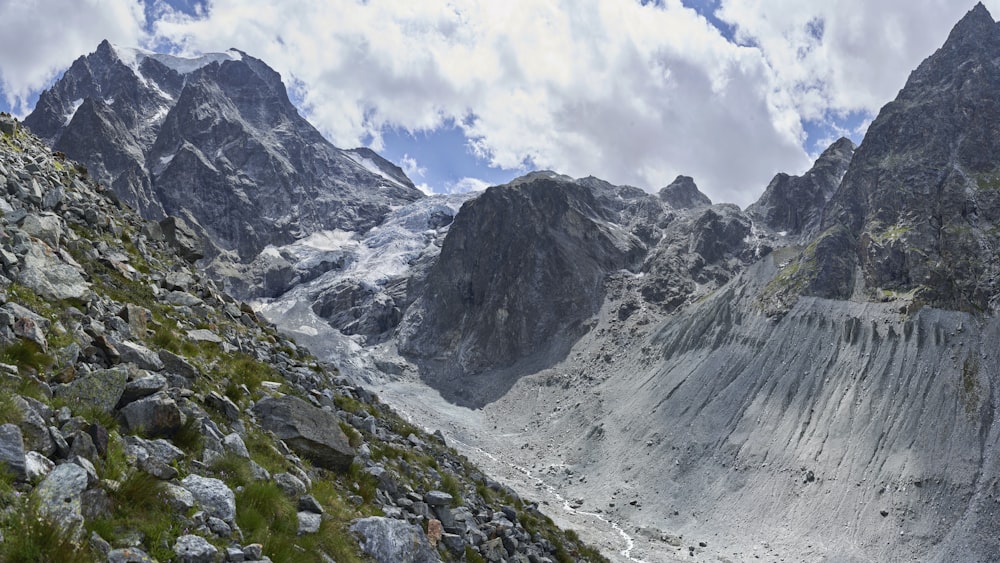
<point>146,415</point>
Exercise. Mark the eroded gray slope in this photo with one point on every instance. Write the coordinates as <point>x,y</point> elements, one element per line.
<point>722,425</point>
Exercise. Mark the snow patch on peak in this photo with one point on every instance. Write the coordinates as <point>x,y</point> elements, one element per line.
<point>72,110</point>
<point>370,165</point>
<point>133,57</point>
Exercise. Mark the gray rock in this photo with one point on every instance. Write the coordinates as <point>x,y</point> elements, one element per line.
<point>202,335</point>
<point>212,495</point>
<point>178,498</point>
<point>44,226</point>
<point>48,276</point>
<point>233,443</point>
<point>194,549</point>
<point>129,555</point>
<point>182,237</point>
<point>438,498</point>
<point>176,364</point>
<point>157,415</point>
<point>223,404</point>
<point>26,323</point>
<point>308,503</point>
<point>290,484</point>
<point>37,466</point>
<point>253,552</point>
<point>312,432</point>
<point>135,353</point>
<point>58,495</point>
<point>309,522</point>
<point>389,540</point>
<point>34,429</point>
<point>219,527</point>
<point>142,387</point>
<point>12,450</point>
<point>182,299</point>
<point>101,389</point>
<point>235,555</point>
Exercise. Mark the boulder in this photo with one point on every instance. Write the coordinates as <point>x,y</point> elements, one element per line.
<point>48,276</point>
<point>12,450</point>
<point>388,540</point>
<point>58,495</point>
<point>309,522</point>
<point>182,237</point>
<point>135,353</point>
<point>129,555</point>
<point>44,226</point>
<point>156,415</point>
<point>194,549</point>
<point>312,432</point>
<point>212,495</point>
<point>101,389</point>
<point>143,387</point>
<point>37,466</point>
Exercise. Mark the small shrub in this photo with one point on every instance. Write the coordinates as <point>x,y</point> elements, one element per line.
<point>25,354</point>
<point>29,538</point>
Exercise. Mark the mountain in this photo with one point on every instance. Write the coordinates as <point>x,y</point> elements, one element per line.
<point>915,218</point>
<point>216,140</point>
<point>147,415</point>
<point>811,378</point>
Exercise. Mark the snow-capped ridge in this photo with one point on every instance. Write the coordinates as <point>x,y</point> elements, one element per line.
<point>133,57</point>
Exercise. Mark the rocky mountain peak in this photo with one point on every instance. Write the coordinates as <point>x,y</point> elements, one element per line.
<point>683,193</point>
<point>793,205</point>
<point>918,206</point>
<point>214,137</point>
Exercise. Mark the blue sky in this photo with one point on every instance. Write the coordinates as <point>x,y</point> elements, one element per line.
<point>471,93</point>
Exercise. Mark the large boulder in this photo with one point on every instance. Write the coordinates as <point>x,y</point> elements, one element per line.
<point>212,495</point>
<point>101,389</point>
<point>156,415</point>
<point>181,236</point>
<point>58,495</point>
<point>12,450</point>
<point>388,540</point>
<point>47,275</point>
<point>313,433</point>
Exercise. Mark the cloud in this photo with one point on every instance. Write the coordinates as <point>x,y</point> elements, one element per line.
<point>634,94</point>
<point>34,47</point>
<point>411,168</point>
<point>843,55</point>
<point>630,92</point>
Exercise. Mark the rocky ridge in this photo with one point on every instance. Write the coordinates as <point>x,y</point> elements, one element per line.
<point>214,140</point>
<point>147,415</point>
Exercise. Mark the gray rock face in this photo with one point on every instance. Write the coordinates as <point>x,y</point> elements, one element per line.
<point>389,540</point>
<point>538,249</point>
<point>682,193</point>
<point>917,208</point>
<point>101,388</point>
<point>313,433</point>
<point>205,142</point>
<point>156,415</point>
<point>794,204</point>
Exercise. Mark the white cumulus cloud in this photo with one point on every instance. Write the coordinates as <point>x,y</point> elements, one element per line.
<point>39,40</point>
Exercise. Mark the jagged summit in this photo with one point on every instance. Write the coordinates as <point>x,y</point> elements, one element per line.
<point>793,205</point>
<point>217,138</point>
<point>917,210</point>
<point>683,193</point>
